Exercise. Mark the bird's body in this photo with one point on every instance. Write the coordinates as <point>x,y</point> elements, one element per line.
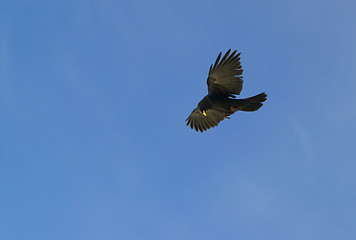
<point>220,102</point>
<point>224,82</point>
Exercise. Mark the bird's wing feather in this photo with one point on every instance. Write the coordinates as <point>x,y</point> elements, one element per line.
<point>202,123</point>
<point>225,76</point>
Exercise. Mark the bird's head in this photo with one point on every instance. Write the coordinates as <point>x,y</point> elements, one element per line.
<point>203,106</point>
<point>202,110</point>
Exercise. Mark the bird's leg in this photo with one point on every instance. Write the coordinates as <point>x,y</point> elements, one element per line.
<point>232,109</point>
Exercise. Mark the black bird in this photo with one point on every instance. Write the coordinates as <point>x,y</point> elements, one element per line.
<point>224,82</point>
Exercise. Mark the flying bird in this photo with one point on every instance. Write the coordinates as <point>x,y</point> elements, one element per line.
<point>224,82</point>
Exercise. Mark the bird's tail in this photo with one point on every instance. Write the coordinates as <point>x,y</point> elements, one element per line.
<point>251,104</point>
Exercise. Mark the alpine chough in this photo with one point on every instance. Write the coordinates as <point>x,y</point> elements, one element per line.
<point>224,82</point>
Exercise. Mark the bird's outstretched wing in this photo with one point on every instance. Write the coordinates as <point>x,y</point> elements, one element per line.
<point>202,123</point>
<point>225,75</point>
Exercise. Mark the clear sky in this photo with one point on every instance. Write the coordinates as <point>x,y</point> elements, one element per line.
<point>93,142</point>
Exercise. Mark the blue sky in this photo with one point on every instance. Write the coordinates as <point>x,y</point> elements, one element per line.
<point>93,143</point>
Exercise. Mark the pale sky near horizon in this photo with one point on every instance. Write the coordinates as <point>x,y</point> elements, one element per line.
<point>93,142</point>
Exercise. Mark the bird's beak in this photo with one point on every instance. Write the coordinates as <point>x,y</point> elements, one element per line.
<point>204,113</point>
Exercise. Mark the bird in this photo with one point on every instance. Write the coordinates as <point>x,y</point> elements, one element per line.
<point>224,83</point>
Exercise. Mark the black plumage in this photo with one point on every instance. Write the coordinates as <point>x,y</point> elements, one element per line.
<point>224,82</point>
